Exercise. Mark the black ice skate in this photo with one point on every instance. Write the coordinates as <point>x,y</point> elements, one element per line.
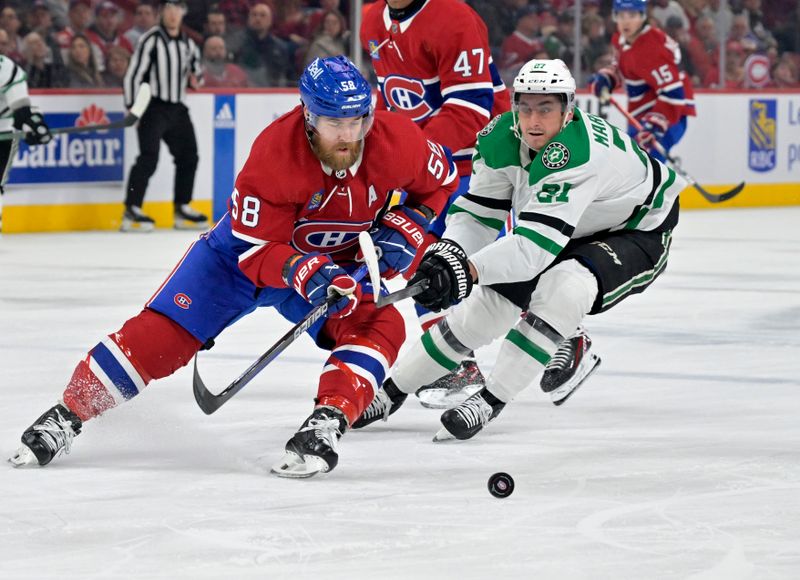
<point>387,400</point>
<point>49,435</point>
<point>570,366</point>
<point>188,218</point>
<point>467,419</point>
<point>312,450</point>
<point>453,388</point>
<point>133,220</point>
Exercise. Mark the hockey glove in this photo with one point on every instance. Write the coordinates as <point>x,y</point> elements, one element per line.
<point>654,126</point>
<point>602,83</point>
<point>399,236</point>
<point>37,131</point>
<point>316,278</point>
<point>445,267</point>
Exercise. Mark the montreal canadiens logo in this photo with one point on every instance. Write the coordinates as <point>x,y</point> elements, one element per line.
<point>326,237</point>
<point>555,156</point>
<point>406,96</point>
<point>182,301</point>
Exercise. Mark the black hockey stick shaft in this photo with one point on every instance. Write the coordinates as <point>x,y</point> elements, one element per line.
<point>707,195</point>
<point>407,292</point>
<point>137,110</point>
<point>209,402</point>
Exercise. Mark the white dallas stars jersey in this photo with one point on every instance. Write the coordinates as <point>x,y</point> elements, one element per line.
<point>13,91</point>
<point>589,178</point>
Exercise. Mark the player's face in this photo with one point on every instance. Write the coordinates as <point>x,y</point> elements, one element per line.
<point>540,118</point>
<point>338,141</point>
<point>629,22</point>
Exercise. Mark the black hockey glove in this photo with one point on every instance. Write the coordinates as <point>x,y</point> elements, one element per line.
<point>447,271</point>
<point>38,133</point>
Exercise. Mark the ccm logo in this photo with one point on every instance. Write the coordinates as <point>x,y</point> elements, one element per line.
<point>182,301</point>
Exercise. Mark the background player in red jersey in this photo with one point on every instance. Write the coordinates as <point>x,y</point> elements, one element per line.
<point>660,95</point>
<point>315,178</point>
<point>448,85</point>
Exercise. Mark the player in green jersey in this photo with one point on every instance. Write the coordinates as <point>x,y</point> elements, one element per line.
<point>595,215</point>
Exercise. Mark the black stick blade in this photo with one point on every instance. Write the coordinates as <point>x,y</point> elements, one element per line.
<point>719,197</point>
<point>206,400</point>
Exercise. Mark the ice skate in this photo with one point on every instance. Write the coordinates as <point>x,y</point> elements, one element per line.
<point>188,218</point>
<point>312,450</point>
<point>454,388</point>
<point>134,220</point>
<point>570,366</point>
<point>387,400</point>
<point>467,419</point>
<point>49,435</point>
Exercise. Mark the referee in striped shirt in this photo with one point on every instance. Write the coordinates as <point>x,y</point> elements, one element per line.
<point>169,61</point>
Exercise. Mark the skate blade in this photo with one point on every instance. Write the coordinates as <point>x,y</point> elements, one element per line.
<point>441,398</point>
<point>292,466</point>
<point>23,457</point>
<point>564,392</point>
<point>191,226</point>
<point>443,435</point>
<point>136,227</point>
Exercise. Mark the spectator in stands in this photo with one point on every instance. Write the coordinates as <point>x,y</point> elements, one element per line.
<point>217,25</point>
<point>291,26</point>
<point>787,33</point>
<point>331,38</point>
<point>237,12</point>
<point>315,14</point>
<point>675,30</point>
<point>218,70</point>
<point>40,20</point>
<point>755,19</point>
<point>80,18</point>
<point>661,10</point>
<point>81,64</point>
<point>596,40</point>
<point>5,45</point>
<point>43,72</point>
<point>561,42</point>
<point>499,18</point>
<point>104,32</point>
<point>10,22</point>
<point>720,13</point>
<point>734,67</point>
<point>263,56</point>
<point>741,37</point>
<point>117,59</point>
<point>195,18</point>
<point>144,19</point>
<point>520,46</point>
<point>784,73</point>
<point>704,51</point>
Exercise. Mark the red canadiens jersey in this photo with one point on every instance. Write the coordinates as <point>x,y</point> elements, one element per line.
<point>435,67</point>
<point>286,201</point>
<point>649,69</point>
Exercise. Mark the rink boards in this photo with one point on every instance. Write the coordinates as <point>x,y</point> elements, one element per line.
<point>78,182</point>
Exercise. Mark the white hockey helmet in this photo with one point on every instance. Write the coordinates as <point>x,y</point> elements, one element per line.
<point>546,77</point>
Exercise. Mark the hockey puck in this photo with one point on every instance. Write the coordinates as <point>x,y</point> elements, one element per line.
<point>501,485</point>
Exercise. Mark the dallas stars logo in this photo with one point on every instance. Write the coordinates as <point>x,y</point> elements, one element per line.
<point>555,156</point>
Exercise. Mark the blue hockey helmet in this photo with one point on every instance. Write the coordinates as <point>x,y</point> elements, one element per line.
<point>333,87</point>
<point>633,5</point>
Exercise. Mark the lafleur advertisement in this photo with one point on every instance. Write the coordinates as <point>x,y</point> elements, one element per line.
<point>95,156</point>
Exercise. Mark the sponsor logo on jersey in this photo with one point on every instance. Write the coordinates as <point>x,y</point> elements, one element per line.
<point>490,127</point>
<point>555,156</point>
<point>406,96</point>
<point>315,201</point>
<point>182,301</point>
<point>73,158</point>
<point>326,237</point>
<point>763,131</point>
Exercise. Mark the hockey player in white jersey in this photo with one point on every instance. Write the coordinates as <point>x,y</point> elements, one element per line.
<point>595,216</point>
<point>16,113</point>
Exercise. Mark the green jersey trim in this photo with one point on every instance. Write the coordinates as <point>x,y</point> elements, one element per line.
<point>525,344</point>
<point>436,354</point>
<point>493,223</point>
<point>572,143</point>
<point>542,241</point>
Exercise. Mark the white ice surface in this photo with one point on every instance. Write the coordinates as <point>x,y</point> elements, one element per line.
<point>680,458</point>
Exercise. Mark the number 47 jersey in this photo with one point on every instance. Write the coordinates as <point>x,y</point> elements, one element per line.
<point>287,202</point>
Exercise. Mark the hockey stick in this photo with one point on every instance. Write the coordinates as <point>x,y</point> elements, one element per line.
<point>709,197</point>
<point>138,108</point>
<point>371,261</point>
<point>209,402</point>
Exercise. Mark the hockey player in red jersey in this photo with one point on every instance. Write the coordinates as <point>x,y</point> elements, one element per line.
<point>315,178</point>
<point>660,95</point>
<point>448,84</point>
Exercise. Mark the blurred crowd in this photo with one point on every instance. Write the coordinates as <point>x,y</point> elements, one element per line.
<point>727,44</point>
